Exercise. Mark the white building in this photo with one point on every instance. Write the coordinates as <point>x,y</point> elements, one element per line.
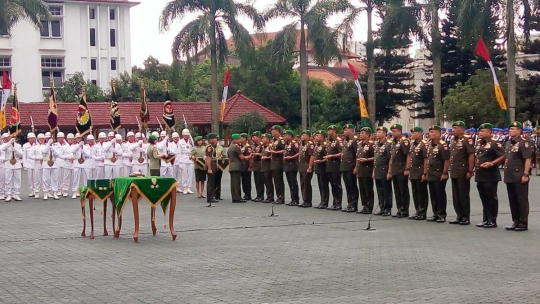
<point>89,36</point>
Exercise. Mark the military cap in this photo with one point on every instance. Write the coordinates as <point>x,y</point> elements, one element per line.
<point>197,138</point>
<point>527,130</point>
<point>256,133</point>
<point>152,136</point>
<point>458,123</point>
<point>435,127</point>
<point>332,127</point>
<point>322,132</point>
<point>417,129</point>
<point>396,126</point>
<point>276,127</point>
<point>267,135</point>
<point>473,129</point>
<point>444,129</point>
<point>382,129</point>
<point>366,129</point>
<point>211,135</point>
<point>389,133</point>
<point>235,136</point>
<point>244,135</point>
<point>290,132</point>
<point>348,126</point>
<point>308,132</point>
<point>487,125</point>
<point>516,124</point>
<point>405,134</point>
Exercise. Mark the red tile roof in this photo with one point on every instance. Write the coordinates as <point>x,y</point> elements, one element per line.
<point>196,113</point>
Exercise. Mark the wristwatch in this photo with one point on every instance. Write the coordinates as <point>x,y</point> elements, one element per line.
<point>526,174</point>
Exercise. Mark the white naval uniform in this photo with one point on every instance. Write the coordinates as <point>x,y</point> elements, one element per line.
<point>81,172</point>
<point>65,163</point>
<point>2,173</point>
<point>112,170</point>
<point>50,152</point>
<point>140,151</point>
<point>32,163</point>
<point>186,164</point>
<point>166,169</point>
<point>98,155</point>
<point>128,156</point>
<point>12,172</point>
<point>174,147</point>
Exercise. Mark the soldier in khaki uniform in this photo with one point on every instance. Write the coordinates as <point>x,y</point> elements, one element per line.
<point>437,173</point>
<point>245,166</point>
<point>461,171</point>
<point>516,177</point>
<point>305,168</point>
<point>277,150</point>
<point>212,154</point>
<point>347,166</point>
<point>489,154</point>
<point>365,156</point>
<point>396,170</point>
<point>256,154</point>
<point>333,164</point>
<point>266,159</point>
<point>290,166</point>
<point>235,157</point>
<point>416,164</point>
<point>319,164</point>
<point>380,172</point>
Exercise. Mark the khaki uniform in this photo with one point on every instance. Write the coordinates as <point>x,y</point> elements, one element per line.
<point>348,162</point>
<point>234,169</point>
<point>306,151</point>
<point>364,174</point>
<point>517,151</point>
<point>335,146</point>
<point>245,169</point>
<point>258,176</point>
<point>276,165</point>
<point>460,148</point>
<point>398,162</point>
<point>487,179</point>
<point>322,176</point>
<point>266,172</point>
<point>438,152</point>
<point>290,167</point>
<point>418,154</point>
<point>384,186</point>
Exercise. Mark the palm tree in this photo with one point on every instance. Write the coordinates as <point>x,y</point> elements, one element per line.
<point>310,17</point>
<point>14,11</point>
<point>207,32</point>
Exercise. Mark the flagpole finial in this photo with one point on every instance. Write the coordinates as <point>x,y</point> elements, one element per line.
<point>15,87</point>
<point>142,83</point>
<point>51,78</point>
<point>113,83</point>
<point>83,90</point>
<point>165,84</point>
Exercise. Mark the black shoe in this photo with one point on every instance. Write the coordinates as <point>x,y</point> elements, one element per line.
<point>420,218</point>
<point>432,219</point>
<point>366,211</point>
<point>513,227</point>
<point>403,215</point>
<point>306,205</point>
<point>219,198</point>
<point>378,213</point>
<point>387,213</point>
<point>247,198</point>
<point>521,227</point>
<point>257,199</point>
<point>412,217</point>
<point>239,201</point>
<point>334,208</point>
<point>489,225</point>
<point>441,220</point>
<point>350,210</point>
<point>295,203</point>
<point>465,223</point>
<point>212,201</point>
<point>480,225</point>
<point>455,222</point>
<point>321,206</point>
<point>301,205</point>
<point>397,214</point>
<point>278,203</point>
<point>268,201</point>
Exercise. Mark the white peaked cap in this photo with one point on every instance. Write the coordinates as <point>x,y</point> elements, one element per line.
<point>40,136</point>
<point>185,132</point>
<point>89,137</point>
<point>110,134</point>
<point>130,134</point>
<point>31,135</point>
<point>163,133</point>
<point>70,136</point>
<point>102,135</point>
<point>60,134</point>
<point>175,135</point>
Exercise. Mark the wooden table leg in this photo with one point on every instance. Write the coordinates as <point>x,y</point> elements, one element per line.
<point>91,202</point>
<point>105,233</point>
<point>113,216</point>
<point>83,233</point>
<point>135,202</point>
<point>171,214</point>
<point>153,220</point>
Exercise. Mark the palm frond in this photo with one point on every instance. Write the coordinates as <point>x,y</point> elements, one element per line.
<point>13,11</point>
<point>326,45</point>
<point>252,13</point>
<point>243,42</point>
<point>282,8</point>
<point>285,41</point>
<point>177,9</point>
<point>348,24</point>
<point>221,44</point>
<point>193,37</point>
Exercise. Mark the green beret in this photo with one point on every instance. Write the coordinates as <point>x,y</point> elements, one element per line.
<point>244,135</point>
<point>197,138</point>
<point>381,128</point>
<point>366,129</point>
<point>486,125</point>
<point>322,132</point>
<point>267,135</point>
<point>211,135</point>
<point>435,127</point>
<point>290,132</point>
<point>458,123</point>
<point>276,127</point>
<point>153,137</point>
<point>256,133</point>
<point>332,127</point>
<point>516,124</point>
<point>348,126</point>
<point>235,136</point>
<point>308,132</point>
<point>396,126</point>
<point>417,129</point>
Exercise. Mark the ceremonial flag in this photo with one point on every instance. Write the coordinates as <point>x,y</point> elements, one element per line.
<point>15,121</point>
<point>145,114</point>
<point>168,112</point>
<point>115,111</point>
<point>52,119</point>
<point>226,80</point>
<point>84,121</point>
<point>482,51</point>
<point>6,90</point>
<point>364,115</point>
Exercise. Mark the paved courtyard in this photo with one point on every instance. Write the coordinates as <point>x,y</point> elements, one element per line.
<point>236,253</point>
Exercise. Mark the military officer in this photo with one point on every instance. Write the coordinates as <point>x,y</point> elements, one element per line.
<point>166,168</point>
<point>65,167</point>
<point>77,154</point>
<point>235,156</point>
<point>154,157</point>
<point>305,168</point>
<point>290,166</point>
<point>98,155</point>
<point>32,155</point>
<point>50,152</point>
<point>396,172</point>
<point>489,154</point>
<point>437,173</point>
<point>347,166</point>
<point>365,156</point>
<point>139,162</point>
<point>12,167</point>
<point>258,176</point>
<point>127,154</point>
<point>211,159</point>
<point>516,177</point>
<point>333,165</point>
<point>183,163</point>
<point>380,171</point>
<point>319,163</point>
<point>266,170</point>
<point>245,165</point>
<point>113,157</point>
<point>416,165</point>
<point>278,148</point>
<point>461,171</point>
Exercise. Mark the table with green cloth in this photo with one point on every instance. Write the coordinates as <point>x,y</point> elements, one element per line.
<point>101,190</point>
<point>156,190</point>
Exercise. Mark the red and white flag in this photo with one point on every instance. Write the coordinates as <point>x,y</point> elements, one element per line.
<point>6,91</point>
<point>226,79</point>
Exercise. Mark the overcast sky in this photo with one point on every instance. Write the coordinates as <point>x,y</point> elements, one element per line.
<point>146,39</point>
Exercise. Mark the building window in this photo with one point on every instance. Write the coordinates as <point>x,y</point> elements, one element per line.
<point>51,29</point>
<point>52,68</point>
<point>93,64</point>
<point>56,10</point>
<point>112,14</point>
<point>4,32</point>
<point>94,82</point>
<point>92,37</point>
<point>92,13</point>
<point>113,37</point>
<point>113,64</point>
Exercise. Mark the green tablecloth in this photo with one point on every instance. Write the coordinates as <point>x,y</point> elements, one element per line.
<point>155,190</point>
<point>101,189</point>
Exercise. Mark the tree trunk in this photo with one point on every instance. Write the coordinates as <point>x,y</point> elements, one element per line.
<point>436,57</point>
<point>213,79</point>
<point>303,77</point>
<point>511,60</point>
<point>370,46</point>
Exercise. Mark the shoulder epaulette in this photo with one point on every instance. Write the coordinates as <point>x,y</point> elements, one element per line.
<point>466,136</point>
<point>247,145</point>
<point>370,141</point>
<point>324,143</point>
<point>294,141</point>
<point>280,138</point>
<point>339,138</point>
<point>389,141</point>
<point>310,142</point>
<point>355,137</point>
<point>442,142</point>
<point>424,141</point>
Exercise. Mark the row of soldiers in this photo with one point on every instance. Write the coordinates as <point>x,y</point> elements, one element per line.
<point>368,158</point>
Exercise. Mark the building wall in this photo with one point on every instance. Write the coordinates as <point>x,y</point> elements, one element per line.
<point>26,47</point>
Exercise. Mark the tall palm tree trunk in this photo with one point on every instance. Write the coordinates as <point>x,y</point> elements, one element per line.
<point>370,47</point>
<point>213,79</point>
<point>303,77</point>
<point>511,61</point>
<point>436,57</point>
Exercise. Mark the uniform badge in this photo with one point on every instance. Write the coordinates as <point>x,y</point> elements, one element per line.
<point>526,144</point>
<point>499,145</point>
<point>406,143</point>
<point>340,144</point>
<point>296,145</point>
<point>470,141</point>
<point>488,146</point>
<point>209,149</point>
